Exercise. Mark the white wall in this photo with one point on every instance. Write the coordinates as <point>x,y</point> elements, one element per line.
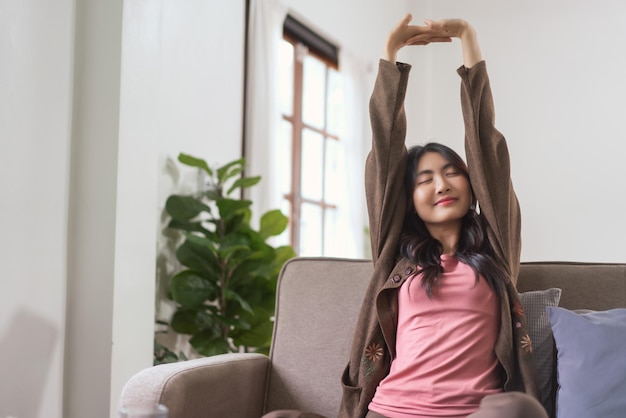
<point>556,73</point>
<point>93,263</point>
<point>36,51</point>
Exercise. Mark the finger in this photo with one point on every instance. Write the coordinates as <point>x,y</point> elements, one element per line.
<point>406,20</point>
<point>423,42</point>
<point>425,37</point>
<point>441,39</point>
<point>427,40</point>
<point>418,38</point>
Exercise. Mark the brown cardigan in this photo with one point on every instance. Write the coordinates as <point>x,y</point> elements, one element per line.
<point>374,342</point>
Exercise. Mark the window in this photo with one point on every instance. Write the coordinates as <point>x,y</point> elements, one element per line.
<point>310,97</point>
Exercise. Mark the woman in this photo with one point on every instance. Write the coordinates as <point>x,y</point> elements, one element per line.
<point>441,332</point>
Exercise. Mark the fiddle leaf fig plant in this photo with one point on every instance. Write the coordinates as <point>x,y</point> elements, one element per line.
<point>225,295</point>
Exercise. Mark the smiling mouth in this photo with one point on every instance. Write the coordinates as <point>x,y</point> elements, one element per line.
<point>445,201</point>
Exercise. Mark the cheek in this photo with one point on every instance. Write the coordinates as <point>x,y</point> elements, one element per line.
<point>420,198</point>
<point>466,191</point>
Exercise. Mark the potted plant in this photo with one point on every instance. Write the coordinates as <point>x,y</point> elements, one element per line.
<point>225,294</point>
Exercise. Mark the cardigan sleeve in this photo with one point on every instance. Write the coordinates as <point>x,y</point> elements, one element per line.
<point>386,162</point>
<point>489,166</point>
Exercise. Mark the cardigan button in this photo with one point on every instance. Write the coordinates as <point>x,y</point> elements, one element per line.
<point>408,271</point>
<point>395,278</point>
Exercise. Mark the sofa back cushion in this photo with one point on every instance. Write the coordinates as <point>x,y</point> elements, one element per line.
<point>317,304</point>
<point>595,286</point>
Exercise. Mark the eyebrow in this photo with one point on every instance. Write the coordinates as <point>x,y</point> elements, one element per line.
<point>444,168</point>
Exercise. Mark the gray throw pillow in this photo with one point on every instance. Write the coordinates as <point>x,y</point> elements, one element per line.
<point>535,304</point>
<point>591,363</point>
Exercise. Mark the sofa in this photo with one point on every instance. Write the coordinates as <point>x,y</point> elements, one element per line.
<point>318,300</point>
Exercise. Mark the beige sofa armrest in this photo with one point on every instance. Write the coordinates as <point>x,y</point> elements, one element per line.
<point>228,385</point>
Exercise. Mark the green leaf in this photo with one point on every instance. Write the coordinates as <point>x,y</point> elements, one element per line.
<point>235,223</point>
<point>241,324</point>
<point>195,162</point>
<point>230,295</point>
<point>244,182</point>
<point>232,173</point>
<point>209,345</point>
<point>213,194</point>
<point>261,350</point>
<point>227,253</point>
<point>191,290</point>
<point>229,207</point>
<point>260,335</point>
<point>222,172</point>
<point>188,226</point>
<point>257,293</point>
<point>245,271</point>
<point>208,319</point>
<point>163,355</point>
<point>184,208</point>
<point>273,223</point>
<point>198,255</point>
<point>184,321</point>
<point>282,254</point>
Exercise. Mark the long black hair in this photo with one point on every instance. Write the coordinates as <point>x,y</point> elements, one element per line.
<point>474,249</point>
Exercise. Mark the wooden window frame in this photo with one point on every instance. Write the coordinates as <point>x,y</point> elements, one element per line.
<point>298,125</point>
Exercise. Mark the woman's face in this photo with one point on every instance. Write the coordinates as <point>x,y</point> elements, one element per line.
<point>442,195</point>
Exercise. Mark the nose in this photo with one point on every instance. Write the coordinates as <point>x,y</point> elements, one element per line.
<point>442,185</point>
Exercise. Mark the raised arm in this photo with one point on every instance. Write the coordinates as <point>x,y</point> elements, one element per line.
<point>488,155</point>
<point>489,165</point>
<point>385,165</point>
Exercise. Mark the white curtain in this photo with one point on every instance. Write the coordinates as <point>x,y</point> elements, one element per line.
<point>350,239</point>
<point>266,18</point>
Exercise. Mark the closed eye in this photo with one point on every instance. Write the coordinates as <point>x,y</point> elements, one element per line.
<point>452,173</point>
<point>424,181</point>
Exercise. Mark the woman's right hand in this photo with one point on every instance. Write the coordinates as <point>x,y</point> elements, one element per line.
<point>405,34</point>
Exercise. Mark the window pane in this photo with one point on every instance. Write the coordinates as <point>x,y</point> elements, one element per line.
<point>313,91</point>
<point>285,77</point>
<point>332,179</point>
<point>310,230</point>
<point>312,164</point>
<point>335,117</point>
<point>331,229</point>
<point>284,157</point>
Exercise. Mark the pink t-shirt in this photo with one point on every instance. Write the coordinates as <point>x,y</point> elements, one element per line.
<point>445,360</point>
